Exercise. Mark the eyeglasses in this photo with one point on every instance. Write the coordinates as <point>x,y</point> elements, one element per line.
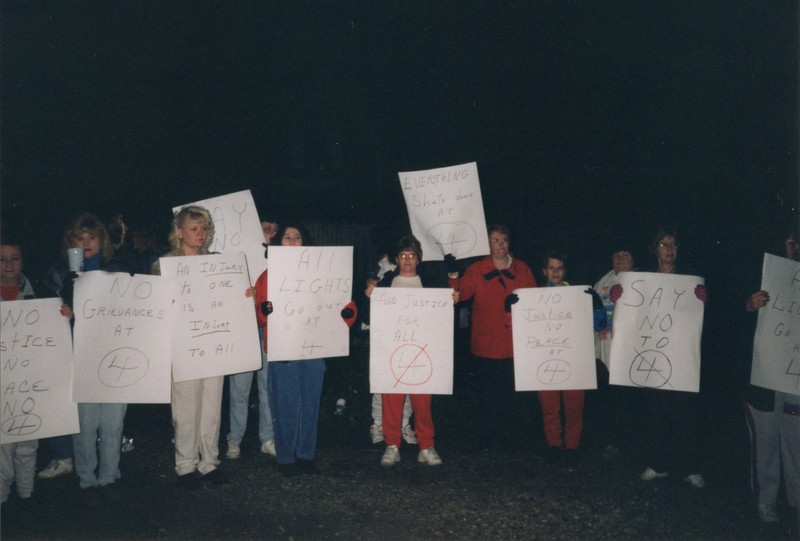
<point>407,256</point>
<point>498,241</point>
<point>668,245</point>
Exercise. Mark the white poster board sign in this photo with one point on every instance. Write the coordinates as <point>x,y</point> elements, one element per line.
<point>122,338</point>
<point>553,339</point>
<point>308,287</point>
<point>411,340</point>
<point>36,370</point>
<point>658,325</point>
<point>445,209</point>
<point>776,348</point>
<point>237,228</point>
<point>214,324</point>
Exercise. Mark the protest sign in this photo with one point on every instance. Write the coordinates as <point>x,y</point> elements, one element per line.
<point>237,228</point>
<point>411,340</point>
<point>776,348</point>
<point>122,338</point>
<point>445,210</point>
<point>658,324</point>
<point>214,324</point>
<point>36,370</point>
<point>553,339</point>
<point>308,287</point>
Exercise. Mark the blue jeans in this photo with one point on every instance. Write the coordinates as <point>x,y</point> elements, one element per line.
<point>239,386</point>
<point>105,420</point>
<point>296,391</point>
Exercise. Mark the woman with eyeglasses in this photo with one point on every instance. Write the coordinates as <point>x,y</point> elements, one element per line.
<point>670,418</point>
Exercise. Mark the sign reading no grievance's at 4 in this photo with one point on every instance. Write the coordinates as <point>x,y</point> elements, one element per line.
<point>36,362</point>
<point>308,287</point>
<point>553,339</point>
<point>658,324</point>
<point>122,338</point>
<point>776,348</point>
<point>445,209</point>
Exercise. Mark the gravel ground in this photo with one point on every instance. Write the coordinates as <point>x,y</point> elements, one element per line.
<point>478,493</point>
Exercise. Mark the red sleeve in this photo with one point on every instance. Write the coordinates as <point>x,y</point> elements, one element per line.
<point>261,297</point>
<point>351,320</point>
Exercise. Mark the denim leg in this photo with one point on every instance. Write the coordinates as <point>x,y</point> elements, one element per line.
<point>311,380</point>
<point>239,386</point>
<point>112,418</point>
<point>266,431</point>
<point>284,378</point>
<point>85,444</point>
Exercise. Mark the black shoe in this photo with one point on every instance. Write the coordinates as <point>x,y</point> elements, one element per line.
<point>215,477</point>
<point>289,470</point>
<point>189,481</point>
<point>307,467</point>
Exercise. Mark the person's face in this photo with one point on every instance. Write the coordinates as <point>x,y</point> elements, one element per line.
<point>622,261</point>
<point>89,242</point>
<point>291,237</point>
<point>554,272</point>
<point>193,234</point>
<point>407,262</point>
<point>498,245</point>
<point>10,263</point>
<point>667,250</point>
<point>792,248</point>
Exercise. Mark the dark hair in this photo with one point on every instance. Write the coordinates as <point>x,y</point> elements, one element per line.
<point>10,239</point>
<point>408,243</point>
<point>304,234</point>
<point>661,232</point>
<point>561,256</point>
<point>499,228</point>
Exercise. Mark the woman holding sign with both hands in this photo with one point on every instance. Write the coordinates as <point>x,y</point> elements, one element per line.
<point>295,387</point>
<point>670,418</point>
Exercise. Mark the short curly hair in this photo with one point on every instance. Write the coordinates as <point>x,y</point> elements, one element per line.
<point>408,243</point>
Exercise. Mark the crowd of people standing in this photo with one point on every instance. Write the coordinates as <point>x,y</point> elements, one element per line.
<point>289,392</point>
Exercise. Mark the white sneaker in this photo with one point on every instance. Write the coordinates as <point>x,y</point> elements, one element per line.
<point>767,513</point>
<point>56,468</point>
<point>268,448</point>
<point>649,474</point>
<point>409,436</point>
<point>696,480</point>
<point>430,457</point>
<point>234,451</point>
<point>391,456</point>
<point>376,433</point>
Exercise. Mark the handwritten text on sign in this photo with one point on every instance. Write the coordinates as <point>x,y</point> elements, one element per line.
<point>776,349</point>
<point>411,340</point>
<point>237,228</point>
<point>658,323</point>
<point>215,330</point>
<point>122,338</point>
<point>36,353</point>
<point>553,339</point>
<point>445,209</point>
<point>308,287</point>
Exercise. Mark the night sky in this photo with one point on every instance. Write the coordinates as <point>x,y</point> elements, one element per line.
<point>588,120</point>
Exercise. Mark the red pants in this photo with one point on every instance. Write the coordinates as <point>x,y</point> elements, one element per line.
<point>573,417</point>
<point>392,406</point>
